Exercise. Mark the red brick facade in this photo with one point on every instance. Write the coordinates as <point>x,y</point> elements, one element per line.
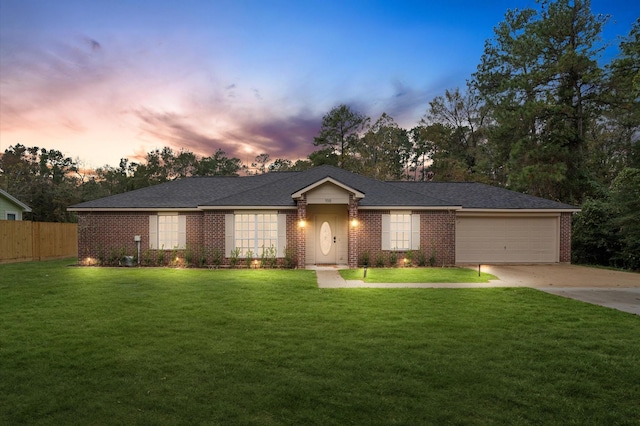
<point>105,236</point>
<point>437,236</point>
<point>565,237</point>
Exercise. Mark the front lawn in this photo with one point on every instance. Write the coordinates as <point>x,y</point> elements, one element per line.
<point>174,346</point>
<point>417,275</point>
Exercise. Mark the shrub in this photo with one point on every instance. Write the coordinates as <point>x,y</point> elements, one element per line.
<point>421,258</point>
<point>234,256</point>
<point>290,257</point>
<point>364,258</point>
<point>189,256</point>
<point>216,257</point>
<point>380,259</point>
<point>248,258</point>
<point>393,258</point>
<point>268,257</point>
<point>409,257</point>
<point>160,257</point>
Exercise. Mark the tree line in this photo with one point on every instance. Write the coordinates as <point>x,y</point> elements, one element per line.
<point>541,115</point>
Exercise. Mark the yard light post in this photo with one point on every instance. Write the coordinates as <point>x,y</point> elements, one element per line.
<point>137,239</point>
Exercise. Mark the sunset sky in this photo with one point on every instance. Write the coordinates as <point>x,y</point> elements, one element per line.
<point>105,79</point>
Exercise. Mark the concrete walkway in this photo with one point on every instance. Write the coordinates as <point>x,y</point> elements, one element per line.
<point>612,289</point>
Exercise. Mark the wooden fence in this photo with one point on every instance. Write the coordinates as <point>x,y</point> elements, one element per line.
<point>22,241</point>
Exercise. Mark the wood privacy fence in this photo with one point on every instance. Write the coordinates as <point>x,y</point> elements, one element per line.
<point>23,240</point>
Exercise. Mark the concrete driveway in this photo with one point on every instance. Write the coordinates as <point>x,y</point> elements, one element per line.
<point>613,289</point>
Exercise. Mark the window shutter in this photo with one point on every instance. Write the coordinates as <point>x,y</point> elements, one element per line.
<point>386,227</point>
<point>153,232</point>
<point>182,232</point>
<point>229,240</point>
<point>282,234</point>
<point>415,231</point>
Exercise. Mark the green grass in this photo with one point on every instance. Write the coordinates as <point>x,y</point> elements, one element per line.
<point>417,275</point>
<point>164,346</point>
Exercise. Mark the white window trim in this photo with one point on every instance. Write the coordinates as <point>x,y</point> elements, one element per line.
<point>7,213</point>
<point>154,232</point>
<point>414,232</point>
<point>229,234</point>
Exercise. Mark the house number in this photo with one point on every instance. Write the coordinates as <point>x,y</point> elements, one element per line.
<point>327,200</point>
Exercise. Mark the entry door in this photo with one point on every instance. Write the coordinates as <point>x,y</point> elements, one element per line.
<point>326,239</point>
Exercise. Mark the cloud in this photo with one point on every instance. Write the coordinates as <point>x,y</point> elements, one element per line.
<point>281,137</point>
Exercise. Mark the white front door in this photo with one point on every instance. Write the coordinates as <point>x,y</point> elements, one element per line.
<point>325,239</point>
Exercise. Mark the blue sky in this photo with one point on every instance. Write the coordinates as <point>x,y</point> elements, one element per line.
<point>100,80</point>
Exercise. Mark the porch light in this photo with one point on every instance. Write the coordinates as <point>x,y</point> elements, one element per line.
<point>302,223</point>
<point>354,222</point>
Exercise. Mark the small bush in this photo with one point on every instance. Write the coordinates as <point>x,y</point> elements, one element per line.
<point>290,258</point>
<point>268,257</point>
<point>364,258</point>
<point>409,256</point>
<point>216,257</point>
<point>393,259</point>
<point>234,256</point>
<point>380,260</point>
<point>248,258</point>
<point>421,258</point>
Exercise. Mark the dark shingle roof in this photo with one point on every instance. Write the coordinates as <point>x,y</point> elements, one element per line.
<point>473,195</point>
<point>275,189</point>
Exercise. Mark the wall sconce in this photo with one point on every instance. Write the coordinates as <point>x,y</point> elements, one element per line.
<point>354,222</point>
<point>302,223</point>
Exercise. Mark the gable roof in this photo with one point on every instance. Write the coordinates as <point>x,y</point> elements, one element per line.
<point>14,200</point>
<point>278,190</point>
<point>474,195</point>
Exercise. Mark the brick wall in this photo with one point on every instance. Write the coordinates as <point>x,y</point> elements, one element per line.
<point>437,232</point>
<point>438,236</point>
<point>565,237</point>
<point>104,234</point>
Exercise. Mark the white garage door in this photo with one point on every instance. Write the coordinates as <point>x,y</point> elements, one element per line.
<point>507,240</point>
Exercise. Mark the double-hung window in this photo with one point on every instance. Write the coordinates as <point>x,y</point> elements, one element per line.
<point>400,231</point>
<point>167,231</point>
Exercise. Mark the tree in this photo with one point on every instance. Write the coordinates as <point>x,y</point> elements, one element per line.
<point>259,165</point>
<point>44,179</point>
<point>621,119</point>
<point>452,134</point>
<point>341,129</point>
<point>540,78</point>
<point>384,150</point>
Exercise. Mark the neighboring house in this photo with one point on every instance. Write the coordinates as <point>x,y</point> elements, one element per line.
<point>327,215</point>
<point>11,208</point>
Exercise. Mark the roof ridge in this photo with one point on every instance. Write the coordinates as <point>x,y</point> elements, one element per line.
<point>253,188</point>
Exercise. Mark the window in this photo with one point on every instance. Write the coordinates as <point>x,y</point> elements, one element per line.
<point>167,231</point>
<point>400,231</point>
<point>12,216</point>
<point>255,232</point>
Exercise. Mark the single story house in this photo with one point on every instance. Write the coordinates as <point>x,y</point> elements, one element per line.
<point>11,208</point>
<point>327,215</point>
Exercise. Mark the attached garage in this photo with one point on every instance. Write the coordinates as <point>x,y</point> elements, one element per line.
<point>507,238</point>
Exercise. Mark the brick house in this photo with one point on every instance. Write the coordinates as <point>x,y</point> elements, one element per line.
<point>327,215</point>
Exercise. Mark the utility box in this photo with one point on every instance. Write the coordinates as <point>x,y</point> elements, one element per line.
<point>136,238</point>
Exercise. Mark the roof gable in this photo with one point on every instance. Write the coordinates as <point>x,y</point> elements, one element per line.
<point>324,181</point>
<point>13,200</point>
